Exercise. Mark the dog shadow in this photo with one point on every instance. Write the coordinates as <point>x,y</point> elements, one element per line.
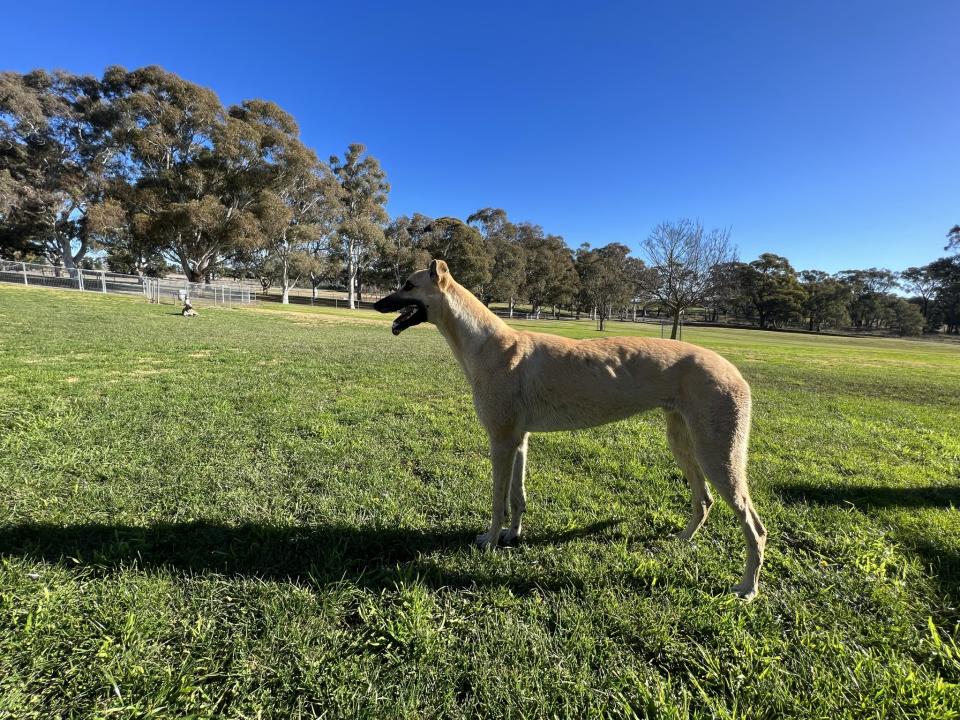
<point>868,497</point>
<point>313,555</point>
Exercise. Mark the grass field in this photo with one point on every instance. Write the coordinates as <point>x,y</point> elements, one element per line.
<point>267,513</point>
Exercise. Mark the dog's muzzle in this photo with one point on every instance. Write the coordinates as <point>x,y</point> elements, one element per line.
<point>412,311</point>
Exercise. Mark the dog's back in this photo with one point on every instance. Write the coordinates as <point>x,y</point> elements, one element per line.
<point>569,384</point>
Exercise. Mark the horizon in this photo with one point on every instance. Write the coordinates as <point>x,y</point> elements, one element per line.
<point>825,135</point>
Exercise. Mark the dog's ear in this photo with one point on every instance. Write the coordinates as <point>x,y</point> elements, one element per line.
<point>439,272</point>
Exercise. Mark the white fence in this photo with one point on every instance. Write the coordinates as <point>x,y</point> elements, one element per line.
<point>102,281</point>
<point>159,290</point>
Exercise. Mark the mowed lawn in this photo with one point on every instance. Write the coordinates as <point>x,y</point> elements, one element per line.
<point>268,513</point>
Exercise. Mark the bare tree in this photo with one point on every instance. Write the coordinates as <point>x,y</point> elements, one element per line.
<point>684,256</point>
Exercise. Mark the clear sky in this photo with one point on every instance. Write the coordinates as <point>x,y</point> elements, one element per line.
<point>828,132</point>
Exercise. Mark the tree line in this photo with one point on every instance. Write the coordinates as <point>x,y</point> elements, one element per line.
<point>151,174</point>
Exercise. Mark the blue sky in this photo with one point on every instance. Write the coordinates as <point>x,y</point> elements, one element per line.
<point>824,131</point>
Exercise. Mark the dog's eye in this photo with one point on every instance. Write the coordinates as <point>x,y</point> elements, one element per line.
<point>409,286</point>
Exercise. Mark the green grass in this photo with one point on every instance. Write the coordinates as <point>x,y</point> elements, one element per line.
<point>268,514</point>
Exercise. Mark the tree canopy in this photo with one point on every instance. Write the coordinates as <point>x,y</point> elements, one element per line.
<point>149,173</point>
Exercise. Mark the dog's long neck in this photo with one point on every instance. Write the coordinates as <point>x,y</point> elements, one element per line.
<point>467,324</point>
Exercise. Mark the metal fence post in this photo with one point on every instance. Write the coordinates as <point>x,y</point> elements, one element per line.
<point>24,266</point>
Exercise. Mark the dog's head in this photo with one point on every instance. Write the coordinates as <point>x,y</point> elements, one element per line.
<point>423,291</point>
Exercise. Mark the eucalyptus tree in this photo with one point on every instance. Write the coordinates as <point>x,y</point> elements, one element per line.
<point>360,213</point>
<point>953,239</point>
<point>639,277</point>
<point>902,316</point>
<point>188,160</point>
<point>826,300</point>
<point>296,195</point>
<point>945,310</point>
<point>111,224</point>
<point>604,282</point>
<point>550,276</point>
<point>401,253</point>
<point>770,287</point>
<point>685,256</point>
<point>58,150</point>
<point>463,249</point>
<point>322,263</point>
<point>922,283</point>
<point>724,294</point>
<point>868,292</point>
<point>507,259</point>
<point>508,265</point>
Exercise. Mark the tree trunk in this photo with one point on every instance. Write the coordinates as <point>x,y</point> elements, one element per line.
<point>351,277</point>
<point>66,253</point>
<point>71,260</point>
<point>512,301</point>
<point>676,325</point>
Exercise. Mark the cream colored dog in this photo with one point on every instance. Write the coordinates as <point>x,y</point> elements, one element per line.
<point>527,382</point>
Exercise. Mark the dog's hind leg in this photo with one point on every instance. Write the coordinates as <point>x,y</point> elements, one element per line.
<point>518,495</point>
<point>700,500</point>
<point>721,451</point>
<point>503,452</point>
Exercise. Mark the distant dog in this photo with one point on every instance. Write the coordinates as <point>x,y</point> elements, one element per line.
<point>188,310</point>
<point>528,382</point>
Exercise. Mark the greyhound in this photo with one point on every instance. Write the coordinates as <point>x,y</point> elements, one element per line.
<point>527,382</point>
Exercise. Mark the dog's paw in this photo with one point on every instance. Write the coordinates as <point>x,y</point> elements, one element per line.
<point>509,536</point>
<point>682,536</point>
<point>744,591</point>
<point>484,542</point>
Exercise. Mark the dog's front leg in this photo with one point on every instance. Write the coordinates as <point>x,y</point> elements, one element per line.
<point>502,454</point>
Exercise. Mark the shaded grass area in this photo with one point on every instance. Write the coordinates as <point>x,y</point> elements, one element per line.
<point>268,513</point>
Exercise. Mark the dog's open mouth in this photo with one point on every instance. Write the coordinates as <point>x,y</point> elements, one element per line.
<point>409,316</point>
<point>412,311</point>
